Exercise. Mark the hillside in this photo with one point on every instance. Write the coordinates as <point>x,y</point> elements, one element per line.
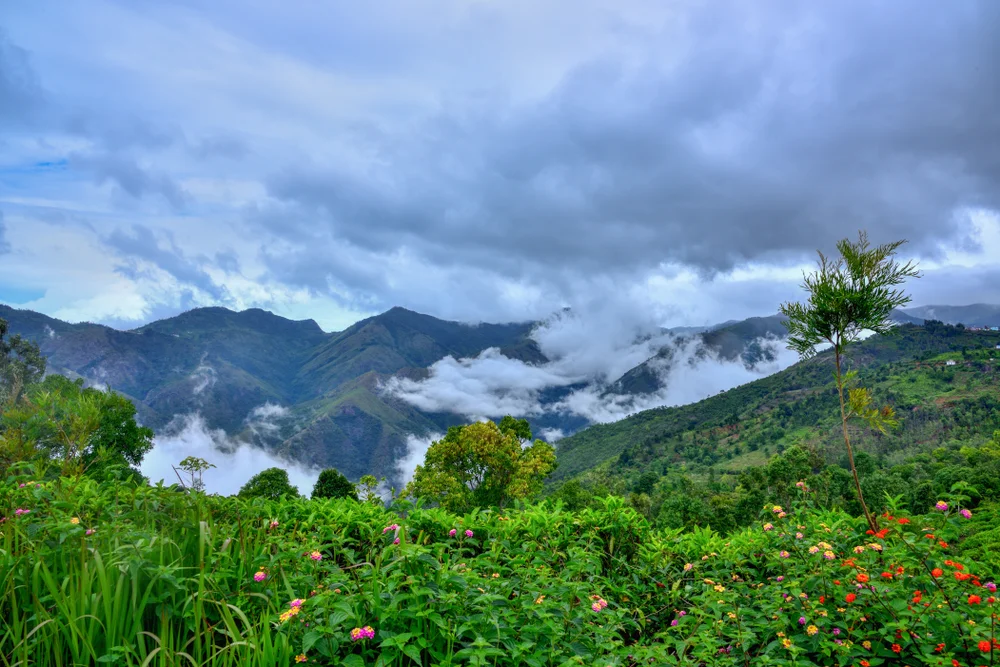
<point>740,427</point>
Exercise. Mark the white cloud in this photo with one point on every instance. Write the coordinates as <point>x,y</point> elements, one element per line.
<point>236,461</point>
<point>416,450</point>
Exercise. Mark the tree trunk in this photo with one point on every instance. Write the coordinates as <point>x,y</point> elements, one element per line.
<point>850,451</point>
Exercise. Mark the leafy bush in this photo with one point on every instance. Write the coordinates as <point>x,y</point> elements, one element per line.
<point>333,484</point>
<point>271,484</point>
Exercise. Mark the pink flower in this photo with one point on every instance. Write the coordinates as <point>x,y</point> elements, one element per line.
<point>20,511</point>
<point>941,506</point>
<point>682,613</point>
<point>990,586</point>
<point>784,554</point>
<point>468,533</point>
<point>390,527</point>
<point>273,524</point>
<point>673,622</point>
<point>965,513</point>
<point>357,634</point>
<point>780,578</point>
<point>316,555</point>
<point>396,541</point>
<point>90,531</point>
<point>452,532</point>
<point>296,603</point>
<point>260,576</point>
<point>802,620</point>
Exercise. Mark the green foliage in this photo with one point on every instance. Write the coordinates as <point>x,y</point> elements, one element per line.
<point>82,430</point>
<point>332,484</point>
<point>483,465</point>
<point>21,364</point>
<point>195,467</point>
<point>271,484</point>
<point>99,573</point>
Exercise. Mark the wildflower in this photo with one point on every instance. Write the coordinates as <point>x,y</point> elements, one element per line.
<point>682,613</point>
<point>975,599</point>
<point>290,613</point>
<point>990,586</point>
<point>687,567</point>
<point>802,620</point>
<point>260,576</point>
<point>273,524</point>
<point>468,533</point>
<point>937,572</point>
<point>357,634</point>
<point>836,631</point>
<point>813,549</point>
<point>496,575</point>
<point>859,549</point>
<point>673,623</point>
<point>786,642</point>
<point>539,599</point>
<point>887,575</point>
<point>875,546</point>
<point>720,588</point>
<point>865,663</point>
<point>862,578</point>
<point>781,515</point>
<point>784,554</point>
<point>731,615</point>
<point>768,526</point>
<point>903,521</point>
<point>985,646</point>
<point>776,509</point>
<point>798,536</point>
<point>780,578</point>
<point>316,555</point>
<point>851,597</point>
<point>966,514</point>
<point>301,657</point>
<point>800,484</point>
<point>811,630</point>
<point>391,526</point>
<point>829,555</point>
<point>896,648</point>
<point>941,506</point>
<point>452,532</point>
<point>89,532</point>
<point>882,533</point>
<point>19,511</point>
<point>74,521</point>
<point>296,603</point>
<point>396,541</point>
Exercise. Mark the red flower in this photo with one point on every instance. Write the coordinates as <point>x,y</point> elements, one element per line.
<point>882,533</point>
<point>899,570</point>
<point>903,521</point>
<point>896,648</point>
<point>822,599</point>
<point>865,663</point>
<point>887,575</point>
<point>937,572</point>
<point>851,597</point>
<point>939,648</point>
<point>869,532</point>
<point>955,663</point>
<point>958,566</point>
<point>944,545</point>
<point>862,578</point>
<point>974,599</point>
<point>984,646</point>
<point>962,576</point>
<point>929,536</point>
<point>836,582</point>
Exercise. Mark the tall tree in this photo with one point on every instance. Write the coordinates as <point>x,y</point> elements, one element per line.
<point>21,364</point>
<point>271,483</point>
<point>333,484</point>
<point>856,292</point>
<point>483,465</point>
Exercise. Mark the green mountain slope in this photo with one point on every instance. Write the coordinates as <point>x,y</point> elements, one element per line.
<point>739,427</point>
<point>974,315</point>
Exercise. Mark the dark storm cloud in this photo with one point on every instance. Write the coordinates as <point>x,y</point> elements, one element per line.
<point>4,244</point>
<point>135,180</point>
<point>20,92</point>
<point>142,244</point>
<point>780,129</point>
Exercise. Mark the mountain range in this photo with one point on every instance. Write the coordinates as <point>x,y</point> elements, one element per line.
<point>320,398</point>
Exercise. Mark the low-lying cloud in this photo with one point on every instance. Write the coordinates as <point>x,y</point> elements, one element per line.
<point>235,461</point>
<point>584,349</point>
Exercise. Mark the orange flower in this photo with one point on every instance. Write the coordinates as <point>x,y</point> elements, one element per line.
<point>903,521</point>
<point>937,572</point>
<point>851,597</point>
<point>862,578</point>
<point>984,646</point>
<point>887,575</point>
<point>975,599</point>
<point>865,663</point>
<point>896,648</point>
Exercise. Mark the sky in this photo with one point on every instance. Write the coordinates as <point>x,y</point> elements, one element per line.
<point>487,160</point>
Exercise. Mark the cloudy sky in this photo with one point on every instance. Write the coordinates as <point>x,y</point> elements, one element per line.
<point>488,159</point>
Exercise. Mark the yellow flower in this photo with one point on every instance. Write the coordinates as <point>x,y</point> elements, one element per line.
<point>813,550</point>
<point>781,634</point>
<point>708,581</point>
<point>787,643</point>
<point>539,599</point>
<point>720,589</point>
<point>841,610</point>
<point>822,612</point>
<point>731,615</point>
<point>687,566</point>
<point>811,630</point>
<point>867,644</point>
<point>301,657</point>
<point>858,549</point>
<point>496,576</point>
<point>74,521</point>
